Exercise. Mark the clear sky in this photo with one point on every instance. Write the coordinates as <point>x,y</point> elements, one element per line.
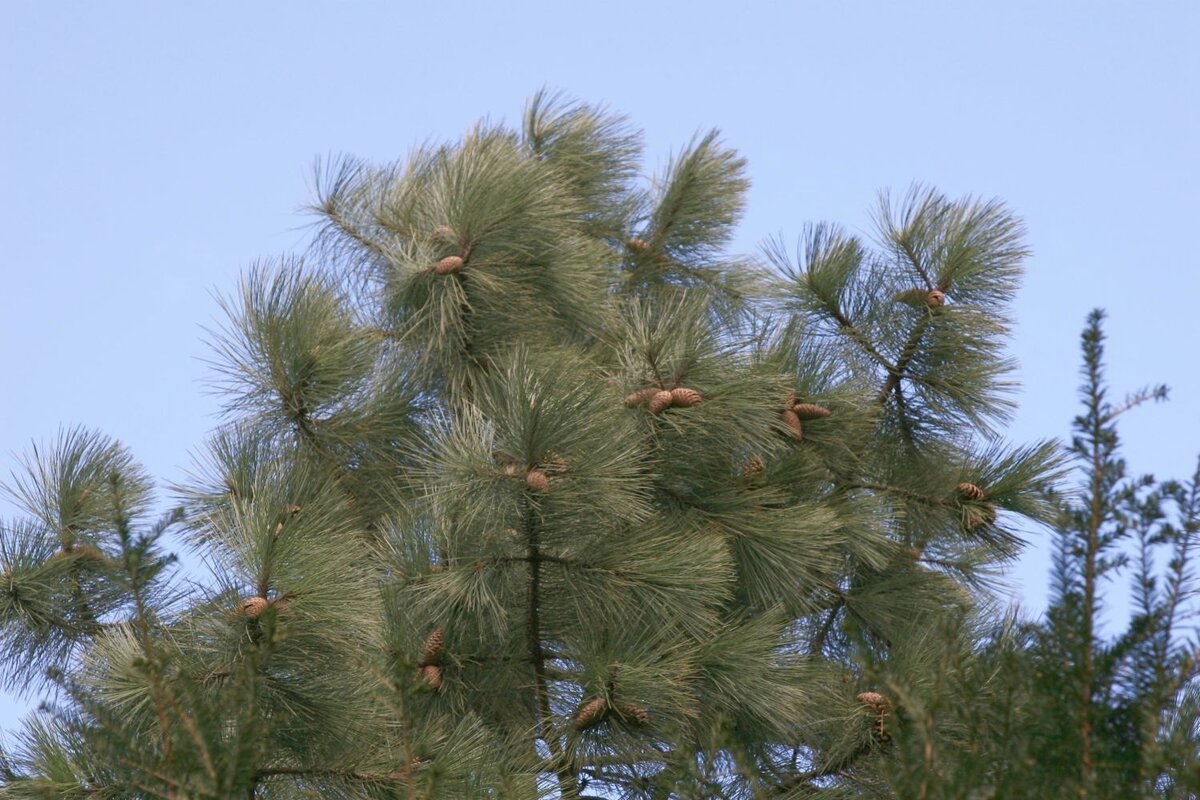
<point>149,151</point>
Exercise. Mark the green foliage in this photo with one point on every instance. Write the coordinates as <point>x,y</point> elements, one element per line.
<point>528,488</point>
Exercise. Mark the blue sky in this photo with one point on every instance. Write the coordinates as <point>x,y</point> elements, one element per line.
<point>150,151</point>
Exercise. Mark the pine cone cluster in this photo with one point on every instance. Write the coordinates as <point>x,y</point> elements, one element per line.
<point>659,400</point>
<point>795,414</point>
<point>431,659</point>
<point>597,710</point>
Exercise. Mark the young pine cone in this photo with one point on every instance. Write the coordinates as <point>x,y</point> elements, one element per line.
<point>791,420</point>
<point>754,466</point>
<point>935,298</point>
<point>637,245</point>
<point>660,401</point>
<point>591,714</point>
<point>433,676</point>
<point>970,491</point>
<point>536,480</point>
<point>448,265</point>
<point>432,653</point>
<point>806,411</point>
<point>875,701</point>
<point>685,398</point>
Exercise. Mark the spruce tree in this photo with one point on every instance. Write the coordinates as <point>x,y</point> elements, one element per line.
<point>1055,708</point>
<point>528,488</point>
<point>1119,715</point>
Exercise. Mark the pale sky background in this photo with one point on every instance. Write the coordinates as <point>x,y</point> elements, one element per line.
<point>149,151</point>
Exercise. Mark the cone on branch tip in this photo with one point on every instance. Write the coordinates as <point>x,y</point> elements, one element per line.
<point>935,298</point>
<point>592,714</point>
<point>537,481</point>
<point>637,245</point>
<point>970,491</point>
<point>807,411</point>
<point>448,265</point>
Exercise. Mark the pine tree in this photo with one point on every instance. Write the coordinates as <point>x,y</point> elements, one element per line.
<point>527,488</point>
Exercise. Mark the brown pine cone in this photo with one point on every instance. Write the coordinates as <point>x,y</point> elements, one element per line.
<point>432,653</point>
<point>433,676</point>
<point>935,298</point>
<point>660,401</point>
<point>253,607</point>
<point>792,421</point>
<point>682,397</point>
<point>640,396</point>
<point>591,714</point>
<point>536,480</point>
<point>633,713</point>
<point>448,265</point>
<point>808,411</point>
<point>637,245</point>
<point>970,491</point>
<point>754,466</point>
